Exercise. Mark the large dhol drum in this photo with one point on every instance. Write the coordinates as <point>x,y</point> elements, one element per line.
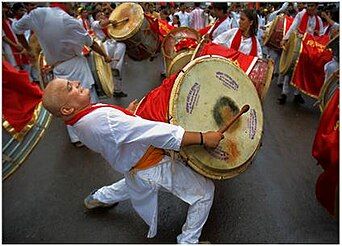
<point>16,150</point>
<point>208,93</point>
<point>179,62</point>
<point>290,54</point>
<point>178,41</point>
<point>327,91</point>
<point>275,33</point>
<point>102,73</point>
<point>140,40</point>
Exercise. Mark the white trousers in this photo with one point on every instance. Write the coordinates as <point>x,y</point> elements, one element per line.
<point>173,176</point>
<point>285,80</point>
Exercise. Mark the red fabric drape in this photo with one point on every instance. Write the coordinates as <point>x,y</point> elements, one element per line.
<point>326,151</point>
<point>19,96</point>
<point>304,23</point>
<point>237,42</point>
<point>159,26</point>
<point>308,75</point>
<point>205,30</point>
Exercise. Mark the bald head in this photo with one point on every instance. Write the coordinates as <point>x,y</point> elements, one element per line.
<point>55,96</point>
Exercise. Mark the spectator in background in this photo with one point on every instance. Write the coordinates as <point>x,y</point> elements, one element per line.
<point>197,18</point>
<point>184,16</point>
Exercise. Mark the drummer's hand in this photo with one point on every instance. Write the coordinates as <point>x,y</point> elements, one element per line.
<point>283,44</point>
<point>133,106</point>
<point>212,139</point>
<point>108,59</point>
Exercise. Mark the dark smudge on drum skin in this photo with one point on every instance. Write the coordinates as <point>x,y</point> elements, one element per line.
<point>224,110</point>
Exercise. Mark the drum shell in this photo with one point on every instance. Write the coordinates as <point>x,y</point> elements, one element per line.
<point>15,152</point>
<point>141,42</point>
<point>214,167</point>
<point>327,91</point>
<point>179,62</point>
<point>275,34</point>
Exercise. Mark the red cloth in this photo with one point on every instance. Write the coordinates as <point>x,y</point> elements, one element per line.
<point>19,58</point>
<point>237,42</point>
<point>164,27</point>
<point>326,151</point>
<point>86,111</point>
<point>288,22</point>
<point>19,96</point>
<point>159,26</point>
<point>308,75</point>
<point>62,6</point>
<point>206,29</point>
<point>244,61</point>
<point>155,105</point>
<point>186,43</point>
<point>304,23</point>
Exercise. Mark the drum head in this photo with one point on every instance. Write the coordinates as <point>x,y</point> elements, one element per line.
<point>174,36</point>
<point>104,72</point>
<point>126,29</point>
<point>290,55</point>
<point>179,62</point>
<point>270,29</point>
<point>207,93</point>
<point>327,91</point>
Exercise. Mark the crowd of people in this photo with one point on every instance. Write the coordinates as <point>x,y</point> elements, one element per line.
<point>67,32</point>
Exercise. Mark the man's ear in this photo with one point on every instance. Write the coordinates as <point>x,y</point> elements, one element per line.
<point>66,111</point>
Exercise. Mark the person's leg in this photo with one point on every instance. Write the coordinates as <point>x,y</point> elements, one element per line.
<point>285,90</point>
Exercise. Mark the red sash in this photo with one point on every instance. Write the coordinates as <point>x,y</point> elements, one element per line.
<point>304,23</point>
<point>86,111</point>
<point>237,42</point>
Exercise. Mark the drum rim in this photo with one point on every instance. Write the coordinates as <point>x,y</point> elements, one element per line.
<point>174,95</point>
<point>287,65</point>
<point>134,30</point>
<point>173,31</point>
<point>323,91</point>
<point>108,88</point>
<point>177,58</point>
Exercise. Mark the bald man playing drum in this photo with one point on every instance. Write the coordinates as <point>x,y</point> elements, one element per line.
<point>135,147</point>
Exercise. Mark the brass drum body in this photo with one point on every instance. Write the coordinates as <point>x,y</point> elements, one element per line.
<point>102,73</point>
<point>261,76</point>
<point>327,91</point>
<point>170,42</point>
<point>141,42</point>
<point>290,55</point>
<point>275,33</point>
<point>207,93</point>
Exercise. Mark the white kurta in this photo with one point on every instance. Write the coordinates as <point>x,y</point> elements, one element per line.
<point>227,37</point>
<point>197,20</point>
<point>184,18</point>
<point>122,140</point>
<point>223,27</point>
<point>310,28</point>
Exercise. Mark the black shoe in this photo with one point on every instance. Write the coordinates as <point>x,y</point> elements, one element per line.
<point>280,85</point>
<point>298,99</point>
<point>276,75</point>
<point>163,75</point>
<point>78,144</point>
<point>120,94</point>
<point>282,99</point>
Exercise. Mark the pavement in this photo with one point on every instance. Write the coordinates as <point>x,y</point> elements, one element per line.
<point>273,201</point>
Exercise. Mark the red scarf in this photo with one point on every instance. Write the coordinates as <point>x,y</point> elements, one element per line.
<point>62,6</point>
<point>90,109</point>
<point>304,24</point>
<point>237,42</point>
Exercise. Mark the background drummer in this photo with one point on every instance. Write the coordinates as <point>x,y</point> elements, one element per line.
<point>123,140</point>
<point>62,38</point>
<point>244,38</point>
<point>116,50</point>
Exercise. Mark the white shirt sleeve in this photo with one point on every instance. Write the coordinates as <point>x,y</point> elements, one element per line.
<point>77,30</point>
<point>295,24</point>
<point>20,26</point>
<point>225,37</point>
<point>321,28</point>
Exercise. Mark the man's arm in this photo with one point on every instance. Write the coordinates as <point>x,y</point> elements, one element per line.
<point>209,139</point>
<point>96,47</point>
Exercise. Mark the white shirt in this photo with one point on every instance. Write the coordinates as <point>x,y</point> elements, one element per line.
<point>98,30</point>
<point>122,139</point>
<point>197,20</point>
<point>227,37</point>
<point>223,27</point>
<point>310,28</point>
<point>60,35</point>
<point>184,18</point>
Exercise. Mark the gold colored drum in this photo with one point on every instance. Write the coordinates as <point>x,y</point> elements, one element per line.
<point>179,62</point>
<point>174,38</point>
<point>134,30</point>
<point>45,76</point>
<point>36,49</point>
<point>290,55</point>
<point>327,91</point>
<point>102,73</point>
<point>207,93</point>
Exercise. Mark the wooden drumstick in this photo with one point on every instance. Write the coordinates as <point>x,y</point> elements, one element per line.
<point>119,21</point>
<point>224,128</point>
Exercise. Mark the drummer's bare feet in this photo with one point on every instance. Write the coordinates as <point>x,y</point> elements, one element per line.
<point>282,99</point>
<point>120,94</point>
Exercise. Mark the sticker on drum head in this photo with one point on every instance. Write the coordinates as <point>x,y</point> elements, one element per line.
<point>252,123</point>
<point>227,81</point>
<point>218,153</point>
<point>192,98</point>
